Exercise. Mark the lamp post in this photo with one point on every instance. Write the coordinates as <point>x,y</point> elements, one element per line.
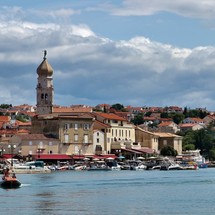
<point>11,148</point>
<point>30,151</point>
<point>39,150</point>
<point>49,149</point>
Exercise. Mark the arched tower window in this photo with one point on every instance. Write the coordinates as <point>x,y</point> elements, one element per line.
<point>42,96</point>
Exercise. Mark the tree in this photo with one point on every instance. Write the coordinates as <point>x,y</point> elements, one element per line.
<point>188,147</point>
<point>189,138</point>
<point>118,107</point>
<point>177,117</point>
<point>164,115</point>
<point>148,113</point>
<point>5,106</point>
<point>212,154</point>
<point>168,151</point>
<point>138,119</point>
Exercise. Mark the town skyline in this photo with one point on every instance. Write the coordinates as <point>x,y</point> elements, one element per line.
<point>131,52</point>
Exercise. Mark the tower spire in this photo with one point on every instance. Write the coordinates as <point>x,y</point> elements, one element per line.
<point>45,90</point>
<point>45,53</point>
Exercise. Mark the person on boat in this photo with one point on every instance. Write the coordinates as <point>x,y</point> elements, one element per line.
<point>6,173</point>
<point>13,175</point>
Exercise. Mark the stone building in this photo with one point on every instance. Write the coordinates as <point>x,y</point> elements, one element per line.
<point>45,89</point>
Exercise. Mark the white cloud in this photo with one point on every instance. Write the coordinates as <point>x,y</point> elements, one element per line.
<point>189,8</point>
<point>91,69</point>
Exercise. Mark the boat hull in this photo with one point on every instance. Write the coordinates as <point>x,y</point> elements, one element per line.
<point>10,183</point>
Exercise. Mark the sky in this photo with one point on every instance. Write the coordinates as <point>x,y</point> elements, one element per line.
<point>132,52</point>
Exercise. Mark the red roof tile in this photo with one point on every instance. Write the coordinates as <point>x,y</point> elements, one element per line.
<point>110,116</point>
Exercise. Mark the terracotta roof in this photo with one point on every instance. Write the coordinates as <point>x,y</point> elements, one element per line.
<point>164,124</point>
<point>72,110</point>
<point>34,137</point>
<point>195,119</point>
<point>23,123</point>
<point>149,118</point>
<point>166,134</point>
<point>188,125</point>
<point>99,125</point>
<point>4,118</point>
<point>8,131</point>
<point>110,116</point>
<point>23,131</point>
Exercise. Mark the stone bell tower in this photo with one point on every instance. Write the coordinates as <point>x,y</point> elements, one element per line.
<point>45,90</point>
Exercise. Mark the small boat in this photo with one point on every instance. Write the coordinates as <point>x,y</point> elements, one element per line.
<point>10,182</point>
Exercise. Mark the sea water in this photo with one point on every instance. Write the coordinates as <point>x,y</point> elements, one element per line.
<point>190,192</point>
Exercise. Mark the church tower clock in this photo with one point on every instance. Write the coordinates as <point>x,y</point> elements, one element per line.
<point>45,90</point>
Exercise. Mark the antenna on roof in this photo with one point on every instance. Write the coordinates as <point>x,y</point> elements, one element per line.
<point>45,53</point>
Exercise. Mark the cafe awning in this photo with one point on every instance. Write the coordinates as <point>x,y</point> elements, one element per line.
<point>132,151</point>
<point>53,157</point>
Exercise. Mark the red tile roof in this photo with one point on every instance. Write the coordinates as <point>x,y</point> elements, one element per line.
<point>4,118</point>
<point>72,110</point>
<point>188,125</point>
<point>164,124</point>
<point>110,116</point>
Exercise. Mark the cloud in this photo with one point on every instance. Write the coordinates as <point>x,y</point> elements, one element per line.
<point>189,8</point>
<point>91,69</point>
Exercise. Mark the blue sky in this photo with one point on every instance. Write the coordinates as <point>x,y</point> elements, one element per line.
<point>133,52</point>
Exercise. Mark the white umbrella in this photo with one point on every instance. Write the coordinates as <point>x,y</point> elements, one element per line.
<point>95,159</point>
<point>86,159</point>
<point>140,158</point>
<point>110,158</point>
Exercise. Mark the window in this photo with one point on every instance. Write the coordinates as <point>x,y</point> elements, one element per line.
<point>76,137</point>
<point>86,138</point>
<point>76,126</point>
<point>97,133</point>
<point>66,126</point>
<point>86,126</point>
<point>66,138</point>
<point>97,140</point>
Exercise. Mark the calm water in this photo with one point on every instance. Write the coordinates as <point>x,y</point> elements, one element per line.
<point>113,192</point>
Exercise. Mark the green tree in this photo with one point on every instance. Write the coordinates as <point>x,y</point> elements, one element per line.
<point>118,107</point>
<point>189,138</point>
<point>148,113</point>
<point>164,115</point>
<point>212,154</point>
<point>177,117</point>
<point>189,147</point>
<point>5,106</point>
<point>138,119</point>
<point>168,151</point>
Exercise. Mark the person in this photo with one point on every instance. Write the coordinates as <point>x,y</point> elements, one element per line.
<point>13,175</point>
<point>6,173</point>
